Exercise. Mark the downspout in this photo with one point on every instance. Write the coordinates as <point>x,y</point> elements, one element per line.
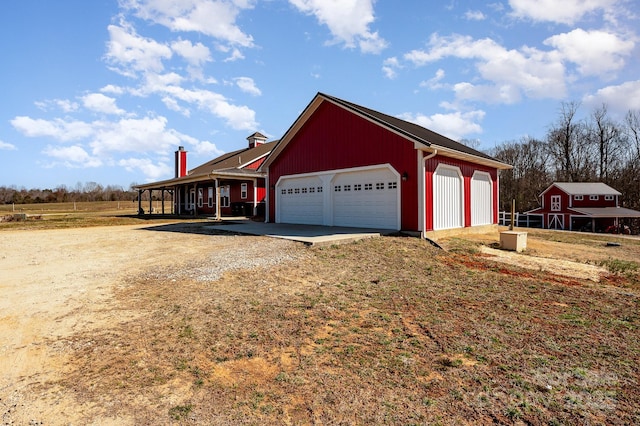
<point>424,190</point>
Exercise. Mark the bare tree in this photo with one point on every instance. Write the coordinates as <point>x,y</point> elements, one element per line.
<point>569,147</point>
<point>529,176</point>
<point>606,136</point>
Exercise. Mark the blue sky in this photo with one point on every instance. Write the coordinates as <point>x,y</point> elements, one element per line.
<point>105,90</point>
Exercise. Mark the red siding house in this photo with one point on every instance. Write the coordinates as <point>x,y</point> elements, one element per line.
<point>582,206</point>
<point>341,164</point>
<point>229,185</point>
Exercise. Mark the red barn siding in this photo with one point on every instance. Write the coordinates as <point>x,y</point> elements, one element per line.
<point>600,202</point>
<point>256,164</point>
<point>334,138</point>
<point>467,170</point>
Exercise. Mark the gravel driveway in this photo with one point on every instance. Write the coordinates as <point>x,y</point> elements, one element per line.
<point>57,282</point>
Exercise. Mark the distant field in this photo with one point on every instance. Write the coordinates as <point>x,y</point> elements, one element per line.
<point>70,215</point>
<point>85,206</point>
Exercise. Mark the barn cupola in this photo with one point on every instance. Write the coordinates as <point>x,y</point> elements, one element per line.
<point>181,162</point>
<point>256,139</point>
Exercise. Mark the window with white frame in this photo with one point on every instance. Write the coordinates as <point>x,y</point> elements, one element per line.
<point>243,191</point>
<point>556,203</point>
<point>578,197</point>
<point>594,197</point>
<point>608,197</point>
<point>224,196</point>
<point>210,196</point>
<point>200,197</point>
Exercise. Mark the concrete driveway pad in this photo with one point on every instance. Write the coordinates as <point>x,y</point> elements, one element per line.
<point>308,234</point>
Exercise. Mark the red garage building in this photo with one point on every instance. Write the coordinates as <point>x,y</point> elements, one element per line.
<point>341,164</point>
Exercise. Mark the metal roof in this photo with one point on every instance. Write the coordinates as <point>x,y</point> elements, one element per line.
<point>586,188</point>
<point>596,212</point>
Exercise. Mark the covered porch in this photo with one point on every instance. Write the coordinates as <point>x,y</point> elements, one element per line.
<point>615,220</point>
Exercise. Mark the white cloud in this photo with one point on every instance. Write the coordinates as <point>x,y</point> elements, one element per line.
<point>619,98</point>
<point>434,82</point>
<point>59,129</point>
<point>151,170</point>
<point>390,67</point>
<point>147,134</point>
<point>63,104</point>
<point>131,53</point>
<point>195,54</point>
<point>215,18</point>
<point>236,116</point>
<point>247,85</point>
<point>7,146</point>
<point>474,15</point>
<point>72,156</point>
<point>347,20</point>
<point>507,74</point>
<point>173,105</point>
<point>114,90</point>
<point>562,12</point>
<point>206,148</point>
<point>595,52</point>
<point>455,125</point>
<point>100,103</point>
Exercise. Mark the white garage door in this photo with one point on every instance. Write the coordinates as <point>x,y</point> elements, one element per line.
<point>366,199</point>
<point>447,198</point>
<point>362,198</point>
<point>300,200</point>
<point>481,199</point>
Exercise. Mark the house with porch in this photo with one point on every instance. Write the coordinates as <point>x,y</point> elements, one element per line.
<point>229,185</point>
<point>583,206</point>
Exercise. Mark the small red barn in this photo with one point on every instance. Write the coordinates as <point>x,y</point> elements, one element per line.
<point>341,164</point>
<point>586,206</point>
<point>229,185</point>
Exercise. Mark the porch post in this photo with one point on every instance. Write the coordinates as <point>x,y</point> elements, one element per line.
<point>255,197</point>
<point>218,211</point>
<point>163,201</point>
<point>139,201</point>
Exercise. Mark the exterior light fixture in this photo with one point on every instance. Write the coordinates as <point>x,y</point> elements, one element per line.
<point>405,176</point>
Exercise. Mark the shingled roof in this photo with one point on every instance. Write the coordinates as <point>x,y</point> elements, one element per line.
<point>231,164</point>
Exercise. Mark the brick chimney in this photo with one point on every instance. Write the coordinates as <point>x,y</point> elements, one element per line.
<point>256,139</point>
<point>181,162</point>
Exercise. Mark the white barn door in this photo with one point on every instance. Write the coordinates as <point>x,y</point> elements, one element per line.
<point>448,205</point>
<point>481,199</point>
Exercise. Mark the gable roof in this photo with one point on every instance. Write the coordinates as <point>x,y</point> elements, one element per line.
<point>231,164</point>
<point>419,135</point>
<point>584,188</point>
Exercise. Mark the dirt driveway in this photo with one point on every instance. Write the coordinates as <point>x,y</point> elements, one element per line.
<point>54,283</point>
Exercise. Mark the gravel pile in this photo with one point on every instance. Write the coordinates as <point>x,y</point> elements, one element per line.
<point>248,253</point>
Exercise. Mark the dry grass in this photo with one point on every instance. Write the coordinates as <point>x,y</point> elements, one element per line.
<point>72,215</point>
<point>382,331</point>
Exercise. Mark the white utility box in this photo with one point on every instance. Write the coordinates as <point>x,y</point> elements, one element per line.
<point>513,240</point>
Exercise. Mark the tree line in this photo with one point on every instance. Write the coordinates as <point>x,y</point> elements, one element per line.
<point>596,148</point>
<point>89,191</point>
